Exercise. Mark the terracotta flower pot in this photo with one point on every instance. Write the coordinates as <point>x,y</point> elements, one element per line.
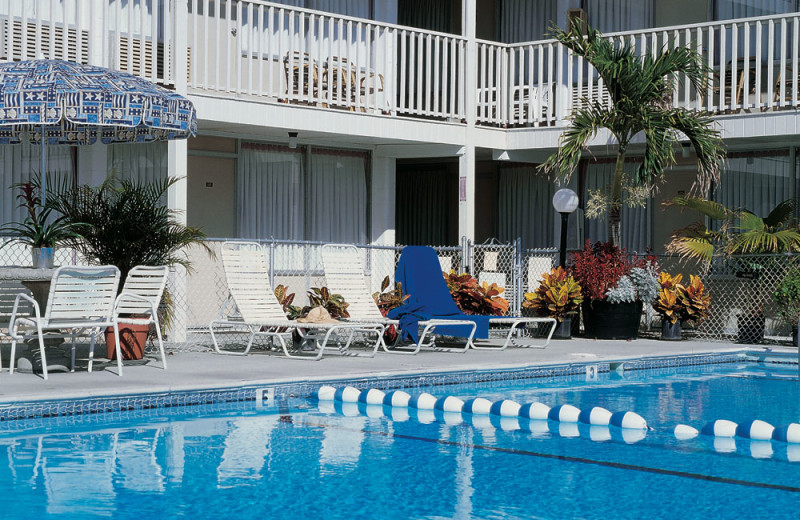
<point>132,339</point>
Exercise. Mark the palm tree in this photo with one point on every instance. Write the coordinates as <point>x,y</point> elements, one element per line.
<point>740,231</point>
<point>640,88</point>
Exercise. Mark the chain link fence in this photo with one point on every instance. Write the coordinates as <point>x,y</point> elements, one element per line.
<point>742,288</point>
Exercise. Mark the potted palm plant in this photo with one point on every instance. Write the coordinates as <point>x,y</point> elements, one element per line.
<point>126,223</point>
<point>743,238</point>
<point>41,229</point>
<point>558,296</point>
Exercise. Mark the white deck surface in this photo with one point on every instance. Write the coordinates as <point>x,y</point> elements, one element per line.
<point>204,370</point>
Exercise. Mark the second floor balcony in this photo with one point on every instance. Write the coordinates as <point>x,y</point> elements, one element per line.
<point>272,53</point>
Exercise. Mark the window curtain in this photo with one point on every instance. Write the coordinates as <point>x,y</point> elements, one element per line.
<point>619,15</point>
<point>269,192</point>
<point>422,206</point>
<point>337,197</point>
<point>728,9</point>
<point>20,163</point>
<point>144,162</point>
<point>525,207</point>
<point>757,184</point>
<point>636,222</point>
<point>433,15</point>
<point>525,21</point>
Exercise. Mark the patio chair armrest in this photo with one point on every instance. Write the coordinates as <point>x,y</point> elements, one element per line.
<point>14,310</point>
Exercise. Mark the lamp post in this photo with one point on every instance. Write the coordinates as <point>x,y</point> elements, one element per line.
<point>565,201</point>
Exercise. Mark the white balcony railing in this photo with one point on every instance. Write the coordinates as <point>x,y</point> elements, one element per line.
<point>136,36</point>
<point>267,50</point>
<point>251,49</point>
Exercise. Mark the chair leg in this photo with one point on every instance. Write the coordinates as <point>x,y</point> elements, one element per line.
<point>92,341</point>
<point>160,344</point>
<point>72,356</point>
<point>119,351</point>
<point>13,351</point>
<point>41,352</point>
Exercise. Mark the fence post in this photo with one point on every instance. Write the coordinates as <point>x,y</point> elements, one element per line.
<point>272,249</point>
<point>466,251</point>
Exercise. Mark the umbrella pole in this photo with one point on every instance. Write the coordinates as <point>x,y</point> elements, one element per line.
<point>43,174</point>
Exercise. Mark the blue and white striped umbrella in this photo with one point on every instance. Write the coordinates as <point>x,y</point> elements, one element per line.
<point>77,104</point>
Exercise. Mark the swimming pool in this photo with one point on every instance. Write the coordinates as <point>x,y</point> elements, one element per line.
<point>315,460</point>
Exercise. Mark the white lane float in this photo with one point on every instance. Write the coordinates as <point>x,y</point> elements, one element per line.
<point>396,398</point>
<point>719,428</point>
<point>535,411</point>
<point>597,415</point>
<point>348,394</point>
<point>505,423</point>
<point>326,393</point>
<point>684,432</point>
<point>793,452</point>
<point>479,405</point>
<point>326,406</point>
<point>564,413</point>
<point>423,401</point>
<point>505,408</point>
<point>756,430</point>
<point>371,396</point>
<point>628,421</point>
<point>449,404</point>
<point>787,433</point>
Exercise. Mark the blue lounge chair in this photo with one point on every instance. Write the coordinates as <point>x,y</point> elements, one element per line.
<point>419,271</point>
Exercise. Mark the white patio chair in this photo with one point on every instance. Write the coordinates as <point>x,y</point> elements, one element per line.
<point>138,302</point>
<point>344,275</point>
<point>80,299</point>
<point>247,275</point>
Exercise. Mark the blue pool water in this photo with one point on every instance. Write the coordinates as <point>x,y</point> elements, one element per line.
<point>318,461</point>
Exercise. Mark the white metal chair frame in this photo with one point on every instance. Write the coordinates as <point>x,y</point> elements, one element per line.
<point>138,302</point>
<point>80,299</point>
<point>344,274</point>
<point>247,276</point>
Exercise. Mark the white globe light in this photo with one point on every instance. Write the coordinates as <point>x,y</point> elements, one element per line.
<point>565,200</point>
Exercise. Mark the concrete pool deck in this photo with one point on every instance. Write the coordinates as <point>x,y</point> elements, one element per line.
<point>207,370</point>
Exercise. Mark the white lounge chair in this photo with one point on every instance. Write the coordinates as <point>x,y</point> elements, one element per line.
<point>138,302</point>
<point>247,275</point>
<point>80,299</point>
<point>344,274</point>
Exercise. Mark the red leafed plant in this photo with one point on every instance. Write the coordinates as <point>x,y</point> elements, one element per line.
<point>599,267</point>
<point>474,298</point>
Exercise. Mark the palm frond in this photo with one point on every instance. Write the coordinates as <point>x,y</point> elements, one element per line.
<point>781,214</point>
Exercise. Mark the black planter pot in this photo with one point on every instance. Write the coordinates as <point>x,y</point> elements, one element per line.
<point>606,320</point>
<point>795,338</point>
<point>563,329</point>
<point>671,331</point>
<point>751,328</point>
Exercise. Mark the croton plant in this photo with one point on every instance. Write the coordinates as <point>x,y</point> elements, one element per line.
<point>558,296</point>
<point>476,298</point>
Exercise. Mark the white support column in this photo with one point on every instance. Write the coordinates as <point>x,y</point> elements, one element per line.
<point>177,166</point>
<point>383,195</point>
<point>466,193</point>
<point>383,200</point>
<point>466,161</point>
<point>97,41</point>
